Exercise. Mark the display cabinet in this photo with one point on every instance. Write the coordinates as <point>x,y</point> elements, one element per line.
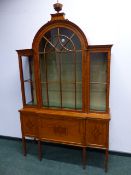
<point>65,88</point>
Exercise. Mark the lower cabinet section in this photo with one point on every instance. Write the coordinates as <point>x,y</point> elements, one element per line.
<point>80,130</point>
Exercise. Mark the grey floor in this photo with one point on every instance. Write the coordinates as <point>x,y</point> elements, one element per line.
<point>57,160</point>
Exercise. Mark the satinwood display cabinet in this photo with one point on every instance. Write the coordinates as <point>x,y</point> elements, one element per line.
<point>65,88</point>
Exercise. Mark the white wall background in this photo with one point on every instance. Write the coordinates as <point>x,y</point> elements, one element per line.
<point>103,22</point>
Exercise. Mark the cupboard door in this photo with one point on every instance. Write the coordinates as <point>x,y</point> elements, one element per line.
<point>97,133</point>
<point>29,124</point>
<point>62,130</point>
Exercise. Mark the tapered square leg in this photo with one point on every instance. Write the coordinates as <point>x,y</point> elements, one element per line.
<point>84,157</point>
<point>24,146</point>
<point>39,150</point>
<point>106,160</point>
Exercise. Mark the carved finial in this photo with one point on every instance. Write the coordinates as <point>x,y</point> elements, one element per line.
<point>57,7</point>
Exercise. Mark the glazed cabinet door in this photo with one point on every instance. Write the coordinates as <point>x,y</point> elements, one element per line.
<point>27,76</point>
<point>60,58</point>
<point>99,79</point>
<point>97,133</point>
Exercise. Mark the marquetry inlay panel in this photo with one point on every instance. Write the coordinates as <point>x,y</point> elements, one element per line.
<point>60,131</point>
<point>96,133</point>
<point>30,125</point>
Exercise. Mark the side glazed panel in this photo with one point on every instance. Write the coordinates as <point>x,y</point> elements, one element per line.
<point>98,81</point>
<point>61,130</point>
<point>29,80</point>
<point>97,133</point>
<point>29,124</point>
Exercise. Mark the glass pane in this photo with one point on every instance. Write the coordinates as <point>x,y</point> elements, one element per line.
<point>68,96</point>
<point>78,96</point>
<point>49,69</point>
<point>54,94</point>
<point>66,32</point>
<point>29,81</point>
<point>27,66</point>
<point>78,67</point>
<point>42,68</point>
<point>98,67</point>
<point>44,94</point>
<point>52,62</point>
<point>97,97</point>
<point>67,67</point>
<point>28,93</point>
<point>41,45</point>
<point>98,76</point>
<point>51,34</point>
<point>77,42</point>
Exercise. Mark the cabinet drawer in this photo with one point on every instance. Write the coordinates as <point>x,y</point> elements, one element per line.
<point>29,124</point>
<point>61,130</point>
<point>97,133</point>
